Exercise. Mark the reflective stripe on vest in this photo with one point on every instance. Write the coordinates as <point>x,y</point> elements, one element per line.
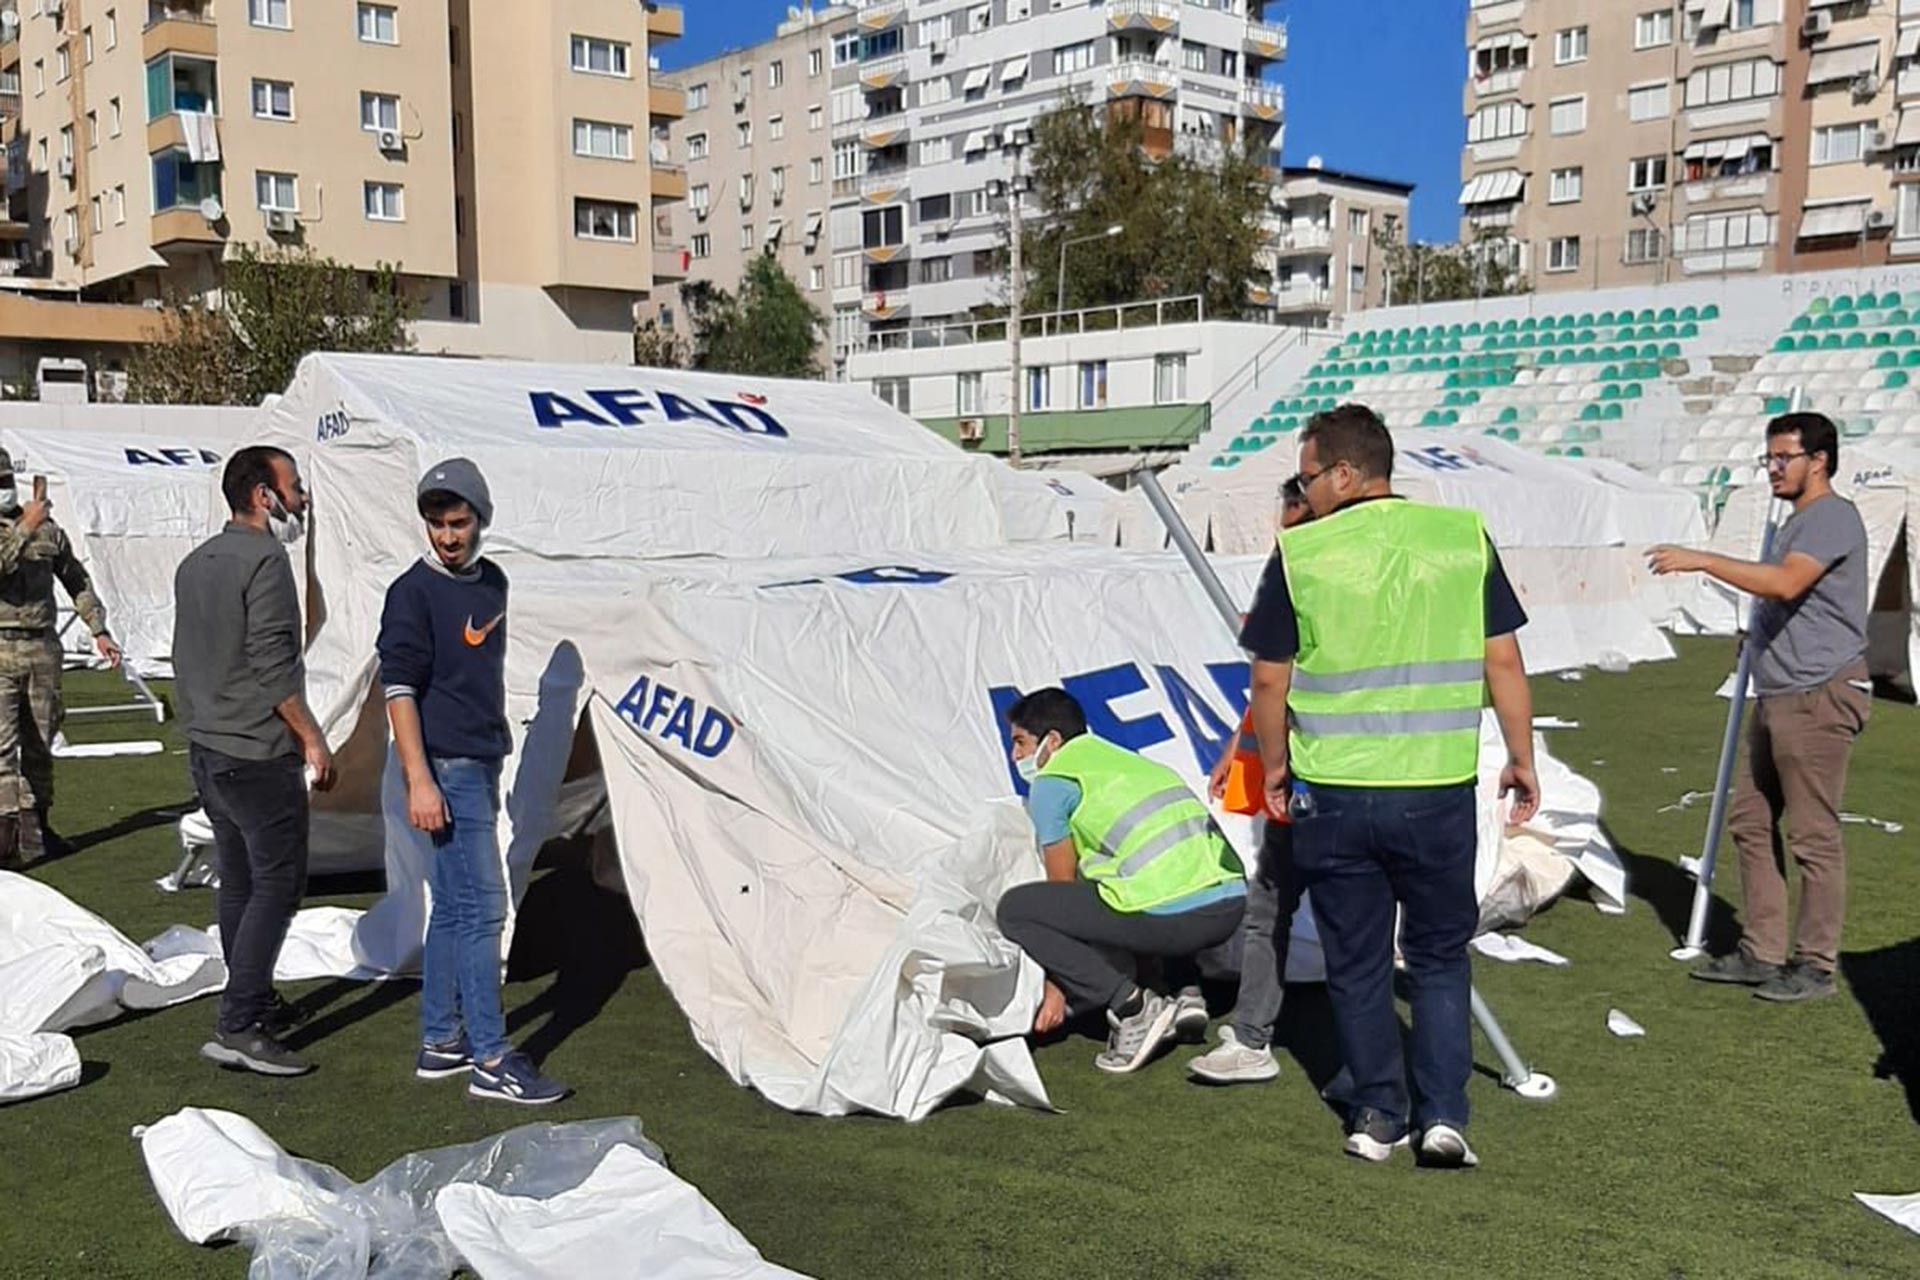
<point>1390,678</point>
<point>1139,832</point>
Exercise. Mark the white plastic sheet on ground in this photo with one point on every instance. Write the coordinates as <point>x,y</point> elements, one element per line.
<point>1901,1210</point>
<point>522,1201</point>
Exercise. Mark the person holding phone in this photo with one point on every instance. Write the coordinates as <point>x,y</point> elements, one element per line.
<point>34,554</point>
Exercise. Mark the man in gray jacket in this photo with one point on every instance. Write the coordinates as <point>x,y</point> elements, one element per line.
<point>240,683</point>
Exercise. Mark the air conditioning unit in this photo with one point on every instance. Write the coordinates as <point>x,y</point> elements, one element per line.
<point>972,430</point>
<point>1817,25</point>
<point>1642,203</point>
<point>388,140</point>
<point>53,10</point>
<point>1866,84</point>
<point>700,214</point>
<point>66,167</point>
<point>938,49</point>
<point>1880,140</point>
<point>73,246</point>
<point>282,222</point>
<point>1879,220</point>
<point>943,228</point>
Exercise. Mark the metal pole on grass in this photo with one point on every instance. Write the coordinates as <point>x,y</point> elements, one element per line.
<point>1514,1073</point>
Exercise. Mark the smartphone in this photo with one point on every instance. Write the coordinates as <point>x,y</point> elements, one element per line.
<point>39,488</point>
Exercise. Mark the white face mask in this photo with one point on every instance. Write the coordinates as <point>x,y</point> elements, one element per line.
<point>1030,766</point>
<point>286,526</point>
<point>9,498</point>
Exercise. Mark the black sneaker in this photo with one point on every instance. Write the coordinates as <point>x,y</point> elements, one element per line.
<point>281,1017</point>
<point>1738,968</point>
<point>254,1050</point>
<point>1798,981</point>
<point>1372,1136</point>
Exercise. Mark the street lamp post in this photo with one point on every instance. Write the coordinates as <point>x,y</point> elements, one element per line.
<point>1017,285</point>
<point>1060,288</point>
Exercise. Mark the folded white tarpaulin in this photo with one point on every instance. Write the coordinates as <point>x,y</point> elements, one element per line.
<point>586,1199</point>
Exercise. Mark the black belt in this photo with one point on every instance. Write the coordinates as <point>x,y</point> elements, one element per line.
<point>25,633</point>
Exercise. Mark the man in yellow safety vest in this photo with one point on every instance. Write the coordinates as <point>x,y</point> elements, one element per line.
<point>1382,626</point>
<point>1135,867</point>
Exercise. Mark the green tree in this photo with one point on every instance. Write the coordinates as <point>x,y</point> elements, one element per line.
<point>658,348</point>
<point>274,308</point>
<point>768,328</point>
<point>1484,268</point>
<point>1190,225</point>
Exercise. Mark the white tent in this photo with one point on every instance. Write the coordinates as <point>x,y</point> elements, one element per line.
<point>1569,535</point>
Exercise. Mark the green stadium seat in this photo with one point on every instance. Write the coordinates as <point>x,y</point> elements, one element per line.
<point>1880,338</point>
<point>1911,360</point>
<point>1670,352</point>
<point>1688,329</point>
<point>1839,302</point>
<point>1668,315</point>
<point>1689,313</point>
<point>1774,406</point>
<point>1710,312</point>
<point>1856,340</point>
<point>1614,412</point>
<point>1817,306</point>
<point>1851,320</point>
<point>1865,302</point>
<point>1632,391</point>
<point>1895,379</point>
<point>1889,300</point>
<point>1885,360</point>
<point>1807,342</point>
<point>1801,322</point>
<point>1588,413</point>
<point>1783,343</point>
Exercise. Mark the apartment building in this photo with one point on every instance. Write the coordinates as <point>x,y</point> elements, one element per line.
<point>1320,248</point>
<point>154,136</point>
<point>755,144</point>
<point>1652,142</point>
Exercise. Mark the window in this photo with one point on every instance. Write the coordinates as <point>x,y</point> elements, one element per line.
<point>66,141</point>
<point>1567,115</point>
<point>459,216</point>
<point>1357,283</point>
<point>935,91</point>
<point>604,58</point>
<point>1021,10</point>
<point>1193,56</point>
<point>976,203</point>
<point>697,97</point>
<point>70,224</point>
<point>815,63</point>
<point>270,13</point>
<point>273,100</point>
<point>98,218</point>
<point>816,278</point>
<point>776,128</point>
<point>63,66</point>
<point>696,146</point>
<point>936,151</point>
<point>456,300</point>
<point>1169,379</point>
<point>86,56</point>
<point>1651,30</point>
<point>777,184</point>
<point>1566,185</point>
<point>849,161</point>
<point>1039,387</point>
<point>847,271</point>
<point>895,393</point>
<point>746,235</point>
<point>936,29</point>
<point>606,220</point>
<point>1648,173</point>
<point>936,270</point>
<point>1644,244</point>
<point>1494,57</point>
<point>602,139</point>
<point>384,201</point>
<point>776,74</point>
<point>979,18</point>
<point>816,118</point>
<point>743,133</point>
<point>379,24</point>
<point>935,209</point>
<point>1712,232</point>
<point>1839,144</point>
<point>1733,82</point>
<point>276,191</point>
<point>970,392</point>
<point>846,49</point>
<point>700,199</point>
<point>39,75</point>
<point>1504,120</point>
<point>702,245</point>
<point>816,171</point>
<point>1073,57</point>
<point>746,191</point>
<point>1563,253</point>
<point>1649,101</point>
<point>113,42</point>
<point>1569,45</point>
<point>1742,16</point>
<point>1093,384</point>
<point>120,205</point>
<point>113,117</point>
<point>379,111</point>
<point>93,130</point>
<point>882,227</point>
<point>1907,210</point>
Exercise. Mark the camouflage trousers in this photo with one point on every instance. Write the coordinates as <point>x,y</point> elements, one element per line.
<point>30,714</point>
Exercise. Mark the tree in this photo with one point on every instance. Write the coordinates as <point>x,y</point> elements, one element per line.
<point>657,348</point>
<point>1190,224</point>
<point>273,309</point>
<point>1485,268</point>
<point>768,328</point>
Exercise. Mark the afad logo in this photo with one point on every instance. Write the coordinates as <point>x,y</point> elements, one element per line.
<point>632,407</point>
<point>1204,724</point>
<point>1439,457</point>
<point>663,712</point>
<point>170,458</point>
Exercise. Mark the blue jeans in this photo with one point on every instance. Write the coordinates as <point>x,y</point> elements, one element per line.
<point>460,970</point>
<point>1361,853</point>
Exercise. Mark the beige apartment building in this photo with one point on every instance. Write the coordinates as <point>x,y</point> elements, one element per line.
<point>1634,144</point>
<point>756,147</point>
<point>1320,248</point>
<point>154,136</point>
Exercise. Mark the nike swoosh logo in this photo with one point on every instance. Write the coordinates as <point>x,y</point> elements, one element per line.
<point>477,636</point>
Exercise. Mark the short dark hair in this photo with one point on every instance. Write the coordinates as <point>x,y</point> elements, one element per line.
<point>435,503</point>
<point>246,471</point>
<point>1047,711</point>
<point>1293,490</point>
<point>1353,434</point>
<point>1817,435</point>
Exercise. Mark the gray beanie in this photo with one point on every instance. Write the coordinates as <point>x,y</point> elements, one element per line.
<point>459,477</point>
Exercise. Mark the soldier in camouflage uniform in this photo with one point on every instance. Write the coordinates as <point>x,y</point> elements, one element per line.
<point>34,551</point>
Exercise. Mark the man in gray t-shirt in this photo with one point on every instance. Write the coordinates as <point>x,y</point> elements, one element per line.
<point>1809,644</point>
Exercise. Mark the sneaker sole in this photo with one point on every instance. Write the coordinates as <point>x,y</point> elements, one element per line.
<point>1191,1026</point>
<point>1797,997</point>
<point>1157,1035</point>
<point>1728,979</point>
<point>1244,1075</point>
<point>1372,1150</point>
<point>494,1095</point>
<point>442,1073</point>
<point>1448,1153</point>
<point>213,1051</point>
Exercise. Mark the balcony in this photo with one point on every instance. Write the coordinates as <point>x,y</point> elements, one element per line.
<point>1266,40</point>
<point>1308,238</point>
<point>881,254</point>
<point>884,188</point>
<point>665,22</point>
<point>186,228</point>
<point>881,15</point>
<point>1262,100</point>
<point>1303,297</point>
<point>1141,77</point>
<point>884,304</point>
<point>1157,16</point>
<point>883,74</point>
<point>1496,82</point>
<point>669,180</point>
<point>664,102</point>
<point>180,30</point>
<point>888,131</point>
<point>670,262</point>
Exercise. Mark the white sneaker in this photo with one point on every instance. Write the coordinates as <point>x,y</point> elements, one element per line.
<point>1190,1016</point>
<point>1231,1062</point>
<point>1132,1041</point>
<point>1444,1147</point>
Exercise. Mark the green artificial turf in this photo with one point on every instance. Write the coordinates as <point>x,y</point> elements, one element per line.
<point>1723,1144</point>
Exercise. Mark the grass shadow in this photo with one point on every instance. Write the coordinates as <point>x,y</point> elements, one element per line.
<point>1662,884</point>
<point>377,997</point>
<point>132,824</point>
<point>583,936</point>
<point>1886,983</point>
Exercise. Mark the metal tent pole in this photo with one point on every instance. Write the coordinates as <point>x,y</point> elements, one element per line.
<point>1514,1072</point>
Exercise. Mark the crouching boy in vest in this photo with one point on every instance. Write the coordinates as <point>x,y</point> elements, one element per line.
<point>1135,867</point>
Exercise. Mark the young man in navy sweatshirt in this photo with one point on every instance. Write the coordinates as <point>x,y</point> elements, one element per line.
<point>443,654</point>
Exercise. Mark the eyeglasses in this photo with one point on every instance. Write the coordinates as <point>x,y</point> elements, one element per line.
<point>1779,461</point>
<point>1301,479</point>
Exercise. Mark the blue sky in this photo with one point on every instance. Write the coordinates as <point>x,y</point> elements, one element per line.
<point>1372,86</point>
